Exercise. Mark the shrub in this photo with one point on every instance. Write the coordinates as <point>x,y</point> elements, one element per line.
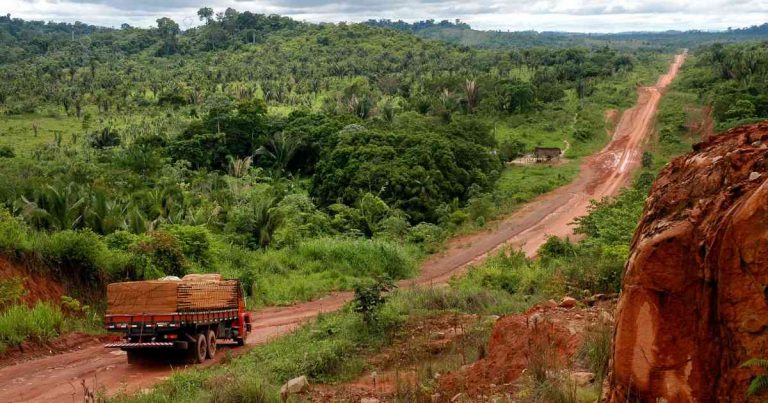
<point>11,291</point>
<point>14,235</point>
<point>557,247</point>
<point>105,138</point>
<point>6,151</point>
<point>481,206</point>
<point>369,299</point>
<point>121,240</point>
<point>195,242</point>
<point>425,233</point>
<point>583,135</point>
<point>243,389</point>
<point>596,349</point>
<point>647,159</point>
<point>80,252</point>
<point>160,255</point>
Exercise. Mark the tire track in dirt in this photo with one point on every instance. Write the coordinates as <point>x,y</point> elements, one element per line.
<point>58,378</point>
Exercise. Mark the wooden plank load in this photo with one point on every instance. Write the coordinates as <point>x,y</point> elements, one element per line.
<point>195,293</point>
<point>206,295</point>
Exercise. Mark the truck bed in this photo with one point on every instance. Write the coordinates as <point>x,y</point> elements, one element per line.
<point>167,320</point>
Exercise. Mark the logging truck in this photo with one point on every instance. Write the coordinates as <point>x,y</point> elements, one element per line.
<point>188,316</point>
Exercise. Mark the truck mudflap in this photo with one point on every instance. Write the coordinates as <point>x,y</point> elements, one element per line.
<point>163,344</point>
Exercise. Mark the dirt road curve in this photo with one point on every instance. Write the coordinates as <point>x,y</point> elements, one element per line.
<point>58,378</point>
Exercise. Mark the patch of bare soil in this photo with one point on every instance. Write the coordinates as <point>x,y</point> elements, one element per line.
<point>612,118</point>
<point>38,286</point>
<point>424,349</point>
<point>544,338</point>
<point>443,359</point>
<point>66,343</point>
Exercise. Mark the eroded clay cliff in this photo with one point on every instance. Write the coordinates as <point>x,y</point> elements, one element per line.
<point>694,300</point>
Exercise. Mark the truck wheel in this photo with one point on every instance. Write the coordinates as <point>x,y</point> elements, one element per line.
<point>240,341</point>
<point>211,344</point>
<point>198,349</point>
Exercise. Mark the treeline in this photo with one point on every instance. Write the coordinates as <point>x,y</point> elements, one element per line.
<point>461,33</point>
<point>733,79</point>
<point>347,68</point>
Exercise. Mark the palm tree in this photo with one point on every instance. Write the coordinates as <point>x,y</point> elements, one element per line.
<point>472,94</point>
<point>239,167</point>
<point>56,207</point>
<point>280,150</point>
<point>103,215</point>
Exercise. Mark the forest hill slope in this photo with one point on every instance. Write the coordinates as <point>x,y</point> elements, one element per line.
<point>693,305</point>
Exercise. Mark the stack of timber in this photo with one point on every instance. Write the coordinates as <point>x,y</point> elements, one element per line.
<point>191,294</point>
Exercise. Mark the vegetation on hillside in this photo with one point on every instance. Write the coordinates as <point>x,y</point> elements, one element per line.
<point>733,80</point>
<point>461,33</point>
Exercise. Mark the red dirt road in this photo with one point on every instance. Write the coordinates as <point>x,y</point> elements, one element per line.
<point>58,378</point>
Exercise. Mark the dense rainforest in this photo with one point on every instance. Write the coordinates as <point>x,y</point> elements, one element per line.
<point>275,131</point>
<point>305,158</point>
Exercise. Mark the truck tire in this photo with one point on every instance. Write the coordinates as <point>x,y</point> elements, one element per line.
<point>211,352</point>
<point>240,341</point>
<point>198,349</point>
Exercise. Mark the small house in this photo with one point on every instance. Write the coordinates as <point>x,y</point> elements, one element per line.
<point>546,153</point>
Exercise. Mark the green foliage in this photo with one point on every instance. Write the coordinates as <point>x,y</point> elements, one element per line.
<point>162,254</point>
<point>40,323</point>
<point>7,151</point>
<point>314,267</point>
<point>613,221</point>
<point>759,384</point>
<point>414,170</point>
<point>731,78</point>
<point>647,160</point>
<point>12,289</point>
<point>195,243</point>
<point>105,138</point>
<point>13,234</point>
<point>556,247</point>
<point>79,255</point>
<point>369,299</point>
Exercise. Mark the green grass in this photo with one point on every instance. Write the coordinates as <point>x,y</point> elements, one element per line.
<point>679,108</point>
<point>520,184</point>
<point>18,132</point>
<point>20,323</point>
<point>315,267</point>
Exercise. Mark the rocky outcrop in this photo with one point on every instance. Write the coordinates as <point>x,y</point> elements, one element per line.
<point>694,300</point>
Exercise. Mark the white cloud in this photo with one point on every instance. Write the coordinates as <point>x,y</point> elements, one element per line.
<point>560,15</point>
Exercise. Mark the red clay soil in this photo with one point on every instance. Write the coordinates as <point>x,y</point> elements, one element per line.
<point>69,342</point>
<point>422,342</point>
<point>603,174</point>
<point>693,306</point>
<point>550,334</point>
<point>38,287</point>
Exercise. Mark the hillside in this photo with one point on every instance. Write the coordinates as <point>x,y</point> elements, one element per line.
<point>461,33</point>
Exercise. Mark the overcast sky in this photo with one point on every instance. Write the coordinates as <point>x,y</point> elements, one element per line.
<point>513,15</point>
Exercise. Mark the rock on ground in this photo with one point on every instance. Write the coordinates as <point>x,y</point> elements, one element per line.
<point>694,301</point>
<point>295,385</point>
<point>568,302</point>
